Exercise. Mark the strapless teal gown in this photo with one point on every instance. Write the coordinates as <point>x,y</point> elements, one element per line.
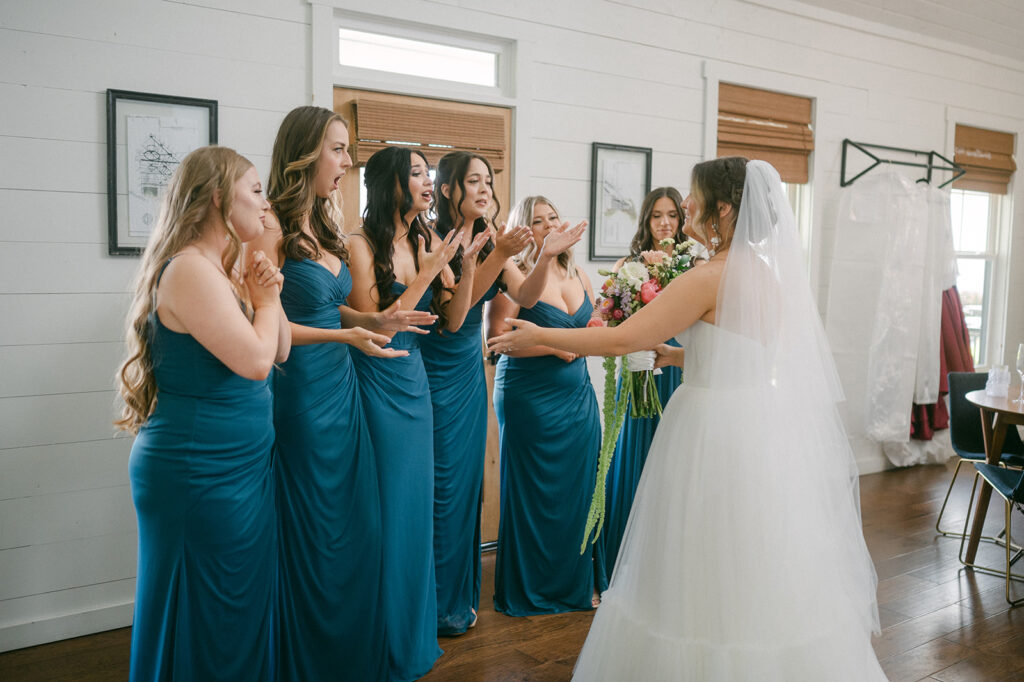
<point>458,393</point>
<point>550,436</point>
<point>627,466</point>
<point>396,398</point>
<point>330,625</point>
<point>204,493</point>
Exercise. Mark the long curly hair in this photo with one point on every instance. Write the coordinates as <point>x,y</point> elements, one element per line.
<point>452,170</point>
<point>643,240</point>
<point>290,189</point>
<point>522,214</point>
<point>386,177</point>
<point>714,181</point>
<point>186,205</point>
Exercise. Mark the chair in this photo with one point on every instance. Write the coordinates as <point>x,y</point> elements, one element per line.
<point>966,435</point>
<point>1009,484</point>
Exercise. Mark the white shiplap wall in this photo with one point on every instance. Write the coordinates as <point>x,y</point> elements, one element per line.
<point>629,72</point>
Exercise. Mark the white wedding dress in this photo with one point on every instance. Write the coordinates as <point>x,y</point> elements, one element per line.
<point>743,558</point>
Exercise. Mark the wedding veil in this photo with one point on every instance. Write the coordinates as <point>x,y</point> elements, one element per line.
<point>792,388</point>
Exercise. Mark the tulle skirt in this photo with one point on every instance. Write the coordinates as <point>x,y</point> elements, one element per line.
<point>743,558</point>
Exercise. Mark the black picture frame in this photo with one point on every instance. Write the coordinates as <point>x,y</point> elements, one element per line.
<point>620,178</point>
<point>147,136</point>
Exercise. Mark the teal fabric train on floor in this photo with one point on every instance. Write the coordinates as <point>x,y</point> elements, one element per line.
<point>396,398</point>
<point>330,624</point>
<point>550,435</point>
<point>458,394</point>
<point>203,489</point>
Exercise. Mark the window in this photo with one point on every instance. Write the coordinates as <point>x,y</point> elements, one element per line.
<point>976,218</point>
<point>366,50</point>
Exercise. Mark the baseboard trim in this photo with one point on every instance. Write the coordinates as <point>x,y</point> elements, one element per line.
<point>65,626</point>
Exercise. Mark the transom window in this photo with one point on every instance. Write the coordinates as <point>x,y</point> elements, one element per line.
<point>379,52</point>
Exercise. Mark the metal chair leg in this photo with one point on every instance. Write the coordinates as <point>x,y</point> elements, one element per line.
<point>1005,574</point>
<point>945,501</point>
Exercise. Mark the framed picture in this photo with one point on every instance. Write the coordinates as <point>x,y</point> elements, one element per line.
<point>147,137</point>
<point>620,178</point>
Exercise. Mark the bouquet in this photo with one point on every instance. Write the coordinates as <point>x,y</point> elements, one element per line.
<point>636,284</point>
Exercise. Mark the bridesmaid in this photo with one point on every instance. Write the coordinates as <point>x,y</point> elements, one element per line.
<point>202,338</point>
<point>397,260</point>
<point>464,203</point>
<point>660,218</point>
<point>328,618</point>
<point>550,434</point>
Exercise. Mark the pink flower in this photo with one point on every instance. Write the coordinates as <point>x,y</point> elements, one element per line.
<point>653,257</point>
<point>649,289</point>
<point>594,322</point>
<point>617,313</point>
<point>605,306</point>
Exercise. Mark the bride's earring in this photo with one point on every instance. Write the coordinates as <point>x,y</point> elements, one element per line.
<point>715,240</point>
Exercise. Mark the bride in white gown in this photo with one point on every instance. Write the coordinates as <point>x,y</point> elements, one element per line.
<point>743,558</point>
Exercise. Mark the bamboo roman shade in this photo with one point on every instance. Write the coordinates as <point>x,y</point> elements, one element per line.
<point>764,125</point>
<point>987,155</point>
<point>435,131</point>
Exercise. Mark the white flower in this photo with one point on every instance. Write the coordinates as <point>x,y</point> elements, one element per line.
<point>634,273</point>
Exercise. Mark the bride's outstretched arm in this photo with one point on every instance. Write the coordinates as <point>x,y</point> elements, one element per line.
<point>689,297</point>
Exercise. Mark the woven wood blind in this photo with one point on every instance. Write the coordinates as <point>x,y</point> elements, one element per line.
<point>987,155</point>
<point>431,130</point>
<point>764,125</point>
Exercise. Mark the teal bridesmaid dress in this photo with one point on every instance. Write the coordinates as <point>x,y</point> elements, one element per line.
<point>396,398</point>
<point>626,468</point>
<point>458,393</point>
<point>203,489</point>
<point>330,624</point>
<point>550,434</point>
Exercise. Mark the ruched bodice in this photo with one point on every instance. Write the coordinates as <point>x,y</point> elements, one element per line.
<point>312,294</point>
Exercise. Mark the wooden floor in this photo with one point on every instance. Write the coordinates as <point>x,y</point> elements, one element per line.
<point>939,621</point>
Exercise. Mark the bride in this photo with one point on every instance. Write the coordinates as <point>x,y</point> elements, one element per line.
<point>743,557</point>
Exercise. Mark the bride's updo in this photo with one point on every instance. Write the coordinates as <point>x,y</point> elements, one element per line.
<point>711,182</point>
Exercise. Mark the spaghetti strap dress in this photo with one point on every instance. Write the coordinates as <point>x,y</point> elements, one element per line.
<point>203,490</point>
<point>329,618</point>
<point>396,399</point>
<point>550,434</point>
<point>458,394</point>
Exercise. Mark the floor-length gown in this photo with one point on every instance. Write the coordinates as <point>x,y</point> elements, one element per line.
<point>330,626</point>
<point>396,398</point>
<point>627,466</point>
<point>204,493</point>
<point>458,393</point>
<point>549,440</point>
<point>731,567</point>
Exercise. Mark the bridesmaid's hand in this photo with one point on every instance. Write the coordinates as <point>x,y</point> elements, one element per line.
<point>264,280</point>
<point>565,356</point>
<point>668,356</point>
<point>371,343</point>
<point>562,238</point>
<point>512,240</point>
<point>394,319</point>
<point>470,252</point>
<point>431,262</point>
<point>522,336</point>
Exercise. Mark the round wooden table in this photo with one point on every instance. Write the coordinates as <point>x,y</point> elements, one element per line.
<point>996,415</point>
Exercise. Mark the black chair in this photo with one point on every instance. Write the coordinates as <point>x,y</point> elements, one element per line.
<point>966,435</point>
<point>1009,484</point>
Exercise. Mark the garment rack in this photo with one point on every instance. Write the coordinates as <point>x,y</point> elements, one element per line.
<point>929,166</point>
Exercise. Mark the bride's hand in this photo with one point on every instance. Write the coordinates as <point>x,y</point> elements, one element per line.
<point>668,356</point>
<point>523,335</point>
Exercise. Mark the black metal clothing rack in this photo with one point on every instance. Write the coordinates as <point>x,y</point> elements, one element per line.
<point>929,166</point>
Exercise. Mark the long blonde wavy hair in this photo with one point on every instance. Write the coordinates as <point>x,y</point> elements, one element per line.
<point>522,214</point>
<point>187,204</point>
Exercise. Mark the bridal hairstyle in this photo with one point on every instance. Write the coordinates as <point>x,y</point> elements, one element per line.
<point>714,181</point>
<point>186,204</point>
<point>387,192</point>
<point>522,214</point>
<point>290,188</point>
<point>643,240</point>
